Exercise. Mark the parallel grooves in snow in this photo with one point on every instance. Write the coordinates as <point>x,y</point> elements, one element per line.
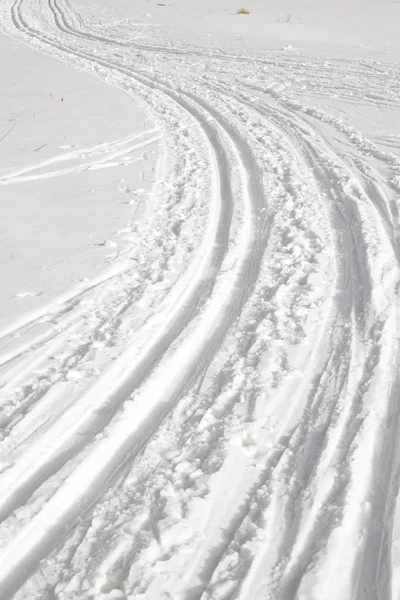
<point>311,492</point>
<point>218,315</point>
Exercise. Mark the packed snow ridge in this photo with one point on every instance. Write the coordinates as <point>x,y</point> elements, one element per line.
<point>200,304</point>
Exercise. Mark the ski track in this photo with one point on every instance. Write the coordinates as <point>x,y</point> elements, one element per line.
<point>121,148</point>
<point>247,430</point>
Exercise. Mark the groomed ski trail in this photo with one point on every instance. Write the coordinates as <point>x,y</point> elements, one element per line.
<point>216,416</point>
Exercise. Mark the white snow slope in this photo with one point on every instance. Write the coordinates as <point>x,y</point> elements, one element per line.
<point>202,404</point>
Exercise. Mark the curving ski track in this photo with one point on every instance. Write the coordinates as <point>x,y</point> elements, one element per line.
<point>242,443</point>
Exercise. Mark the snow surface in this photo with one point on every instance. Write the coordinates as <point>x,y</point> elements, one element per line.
<point>199,310</point>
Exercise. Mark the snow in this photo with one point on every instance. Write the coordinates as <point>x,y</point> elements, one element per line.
<point>200,300</point>
<point>361,28</point>
<point>61,131</point>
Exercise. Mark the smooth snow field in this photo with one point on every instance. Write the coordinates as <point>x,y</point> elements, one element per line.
<point>199,300</point>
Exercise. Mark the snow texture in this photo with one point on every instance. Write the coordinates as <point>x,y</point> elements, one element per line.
<point>199,334</point>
